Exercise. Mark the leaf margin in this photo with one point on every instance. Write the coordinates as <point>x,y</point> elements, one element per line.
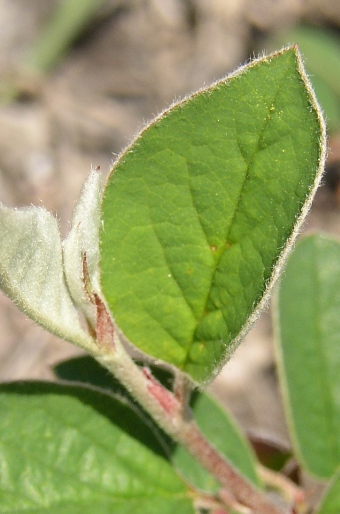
<point>282,256</point>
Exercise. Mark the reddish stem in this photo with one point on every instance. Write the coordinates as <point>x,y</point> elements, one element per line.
<point>244,492</point>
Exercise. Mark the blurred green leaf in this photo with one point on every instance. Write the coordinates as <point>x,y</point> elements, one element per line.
<point>88,371</point>
<point>330,503</point>
<point>215,423</point>
<point>308,348</point>
<point>67,22</point>
<point>198,211</point>
<point>70,450</point>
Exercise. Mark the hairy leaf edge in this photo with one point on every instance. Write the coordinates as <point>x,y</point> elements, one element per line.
<point>262,304</point>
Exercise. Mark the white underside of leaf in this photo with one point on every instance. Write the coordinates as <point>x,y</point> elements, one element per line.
<point>82,239</point>
<point>31,271</point>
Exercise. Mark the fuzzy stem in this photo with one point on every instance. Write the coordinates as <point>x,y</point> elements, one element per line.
<point>220,468</point>
<point>167,411</point>
<point>182,391</point>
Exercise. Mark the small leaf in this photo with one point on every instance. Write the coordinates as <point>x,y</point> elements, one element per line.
<point>215,423</point>
<point>83,242</point>
<point>308,340</point>
<point>67,450</point>
<point>199,212</point>
<point>31,271</point>
<point>330,503</point>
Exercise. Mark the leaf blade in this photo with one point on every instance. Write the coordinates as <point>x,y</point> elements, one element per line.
<point>307,328</point>
<point>31,271</point>
<point>82,242</point>
<point>196,216</point>
<point>218,427</point>
<point>81,447</point>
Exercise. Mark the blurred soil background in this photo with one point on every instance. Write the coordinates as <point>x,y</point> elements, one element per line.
<point>66,109</point>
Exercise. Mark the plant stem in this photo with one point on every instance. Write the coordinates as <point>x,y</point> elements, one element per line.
<point>220,468</point>
<point>182,391</point>
<point>169,414</point>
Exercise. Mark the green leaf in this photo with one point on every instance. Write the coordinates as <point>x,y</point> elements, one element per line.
<point>214,422</point>
<point>330,503</point>
<point>199,212</point>
<point>321,52</point>
<point>308,343</point>
<point>87,370</point>
<point>69,450</point>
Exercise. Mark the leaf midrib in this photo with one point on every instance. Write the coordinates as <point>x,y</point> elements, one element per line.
<point>235,211</point>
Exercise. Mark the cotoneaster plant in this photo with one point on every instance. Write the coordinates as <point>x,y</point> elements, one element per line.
<point>174,260</point>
